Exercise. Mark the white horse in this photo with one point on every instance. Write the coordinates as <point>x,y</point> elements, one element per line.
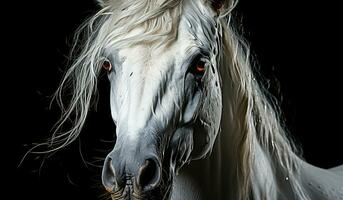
<point>183,95</point>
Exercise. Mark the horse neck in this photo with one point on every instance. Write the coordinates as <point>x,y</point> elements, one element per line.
<point>216,177</point>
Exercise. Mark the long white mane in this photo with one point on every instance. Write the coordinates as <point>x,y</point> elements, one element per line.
<point>256,121</point>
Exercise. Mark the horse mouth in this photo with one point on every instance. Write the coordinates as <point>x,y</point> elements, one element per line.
<point>130,193</point>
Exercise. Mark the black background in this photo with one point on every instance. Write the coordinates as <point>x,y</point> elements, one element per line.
<point>296,45</point>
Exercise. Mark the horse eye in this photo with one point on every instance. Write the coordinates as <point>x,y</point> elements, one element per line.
<point>107,65</point>
<point>198,68</point>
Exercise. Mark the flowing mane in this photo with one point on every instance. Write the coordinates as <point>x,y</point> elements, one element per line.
<point>259,124</point>
<point>251,118</point>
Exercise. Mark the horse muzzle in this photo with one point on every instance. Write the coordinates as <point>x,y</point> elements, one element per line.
<point>139,173</point>
<point>145,169</point>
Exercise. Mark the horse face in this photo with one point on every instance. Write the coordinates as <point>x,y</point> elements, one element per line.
<point>166,104</point>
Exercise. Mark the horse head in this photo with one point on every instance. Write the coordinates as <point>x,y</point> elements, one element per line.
<point>165,96</point>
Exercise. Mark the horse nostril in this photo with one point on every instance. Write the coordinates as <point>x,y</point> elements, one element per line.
<point>149,174</point>
<point>108,175</point>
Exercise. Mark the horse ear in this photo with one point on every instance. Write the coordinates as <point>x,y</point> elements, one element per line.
<point>221,6</point>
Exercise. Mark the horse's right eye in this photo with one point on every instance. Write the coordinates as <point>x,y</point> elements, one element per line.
<point>198,68</point>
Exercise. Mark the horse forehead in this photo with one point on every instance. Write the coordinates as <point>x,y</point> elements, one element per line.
<point>147,57</point>
<point>143,54</point>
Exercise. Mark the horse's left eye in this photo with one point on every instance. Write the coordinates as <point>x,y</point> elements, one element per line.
<point>199,68</point>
